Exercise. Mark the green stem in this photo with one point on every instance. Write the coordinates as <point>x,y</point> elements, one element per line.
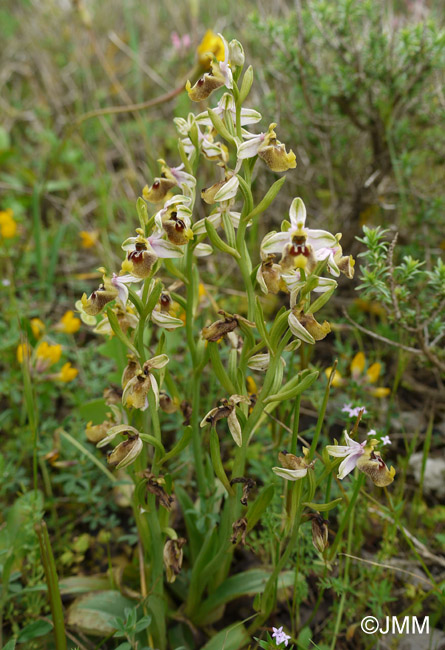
<point>52,582</point>
<point>345,580</point>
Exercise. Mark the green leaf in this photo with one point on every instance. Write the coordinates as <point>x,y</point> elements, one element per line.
<point>260,504</point>
<point>94,613</point>
<point>83,584</point>
<point>34,630</point>
<point>246,583</point>
<point>232,637</point>
<point>323,507</point>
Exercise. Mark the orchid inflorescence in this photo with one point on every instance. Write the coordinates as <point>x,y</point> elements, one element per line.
<point>299,261</point>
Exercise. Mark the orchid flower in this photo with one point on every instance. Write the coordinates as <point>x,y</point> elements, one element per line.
<point>228,410</point>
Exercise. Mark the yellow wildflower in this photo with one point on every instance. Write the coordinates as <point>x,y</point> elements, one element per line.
<point>68,323</point>
<point>210,46</point>
<point>88,238</point>
<point>251,386</point>
<point>67,373</point>
<point>37,327</point>
<point>8,227</point>
<point>47,355</point>
<point>357,369</point>
<point>24,349</point>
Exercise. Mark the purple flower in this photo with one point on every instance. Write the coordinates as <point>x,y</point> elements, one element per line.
<point>280,636</point>
<point>351,452</point>
<point>353,412</point>
<point>386,440</point>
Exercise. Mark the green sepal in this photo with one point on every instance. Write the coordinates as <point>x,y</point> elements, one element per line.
<point>153,298</point>
<point>294,387</point>
<point>246,85</point>
<point>220,127</point>
<point>267,199</point>
<point>320,301</point>
<point>218,242</point>
<point>229,229</point>
<point>247,195</point>
<point>180,445</point>
<point>137,302</point>
<point>323,507</point>
<point>112,319</point>
<point>141,208</point>
<point>153,441</point>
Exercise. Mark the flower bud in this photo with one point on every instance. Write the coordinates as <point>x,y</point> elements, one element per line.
<point>136,391</point>
<point>125,452</point>
<point>320,532</point>
<point>219,329</point>
<point>173,556</point>
<point>96,433</point>
<point>236,53</point>
<point>167,404</point>
<point>131,370</point>
<point>239,527</point>
<point>270,273</point>
<point>112,395</point>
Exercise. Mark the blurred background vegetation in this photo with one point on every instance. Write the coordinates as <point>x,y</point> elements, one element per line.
<point>357,90</point>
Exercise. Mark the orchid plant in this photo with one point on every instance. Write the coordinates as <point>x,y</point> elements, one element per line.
<point>157,292</point>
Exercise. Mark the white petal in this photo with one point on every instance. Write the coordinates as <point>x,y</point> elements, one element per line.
<point>289,474</point>
<point>259,362</point>
<point>239,399</point>
<point>260,280</point>
<point>161,319</point>
<point>128,244</point>
<point>320,239</point>
<point>202,250</point>
<point>275,242</point>
<point>163,248</point>
<point>155,389</point>
<point>210,414</point>
<point>347,465</point>
<point>158,362</point>
<point>298,330</point>
<point>249,116</point>
<point>228,190</point>
<point>297,213</point>
<point>235,428</point>
<point>249,149</point>
<point>115,431</point>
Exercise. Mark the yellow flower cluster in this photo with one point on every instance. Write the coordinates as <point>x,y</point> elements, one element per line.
<point>368,378</point>
<point>8,226</point>
<point>47,354</point>
<point>68,324</point>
